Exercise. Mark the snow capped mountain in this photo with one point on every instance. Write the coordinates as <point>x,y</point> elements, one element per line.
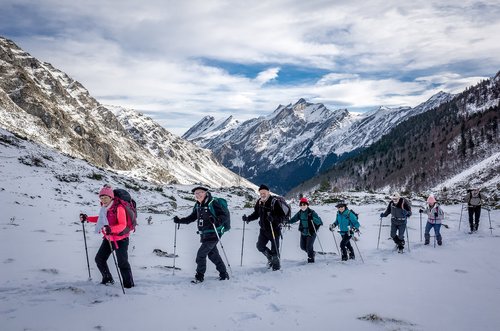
<point>297,141</point>
<point>448,148</point>
<point>45,105</point>
<point>208,127</point>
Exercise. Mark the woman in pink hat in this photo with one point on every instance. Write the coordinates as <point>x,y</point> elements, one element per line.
<point>112,223</point>
<point>435,216</point>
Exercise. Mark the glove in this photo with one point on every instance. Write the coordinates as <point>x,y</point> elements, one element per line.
<point>382,215</point>
<point>332,226</point>
<point>83,217</point>
<point>106,230</point>
<point>436,214</point>
<point>244,218</point>
<point>420,211</point>
<point>177,220</point>
<point>355,230</point>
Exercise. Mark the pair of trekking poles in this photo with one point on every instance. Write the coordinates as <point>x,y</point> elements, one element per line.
<point>177,226</point>
<point>407,235</point>
<point>112,253</point>
<point>489,216</point>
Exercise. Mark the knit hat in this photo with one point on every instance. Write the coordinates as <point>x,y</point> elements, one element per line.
<point>431,199</point>
<point>341,204</point>
<point>107,190</point>
<point>199,188</point>
<point>263,187</point>
<point>303,200</point>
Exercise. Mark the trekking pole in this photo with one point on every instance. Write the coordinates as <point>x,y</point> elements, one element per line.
<point>116,264</point>
<point>489,217</point>
<point>407,235</point>
<point>355,244</point>
<point>175,245</point>
<point>274,239</point>
<point>461,211</point>
<point>242,243</point>
<point>420,227</point>
<point>317,236</point>
<point>335,240</point>
<point>86,250</point>
<point>223,250</point>
<point>379,228</point>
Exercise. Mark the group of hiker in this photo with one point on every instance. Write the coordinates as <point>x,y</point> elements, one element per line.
<point>212,217</point>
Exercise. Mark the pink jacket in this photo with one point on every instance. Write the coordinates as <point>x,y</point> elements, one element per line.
<point>117,222</point>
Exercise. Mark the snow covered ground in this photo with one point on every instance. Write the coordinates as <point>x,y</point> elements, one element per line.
<point>44,280</point>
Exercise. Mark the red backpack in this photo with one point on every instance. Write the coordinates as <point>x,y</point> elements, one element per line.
<point>123,198</point>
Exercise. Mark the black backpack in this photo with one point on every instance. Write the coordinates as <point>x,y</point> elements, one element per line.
<point>287,210</point>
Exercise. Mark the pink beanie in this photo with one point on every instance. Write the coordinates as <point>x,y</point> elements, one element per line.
<point>431,199</point>
<point>107,190</point>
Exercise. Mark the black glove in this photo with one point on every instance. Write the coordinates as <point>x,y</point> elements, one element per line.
<point>244,218</point>
<point>332,226</point>
<point>420,211</point>
<point>177,220</point>
<point>83,217</point>
<point>382,215</point>
<point>270,218</point>
<point>106,230</point>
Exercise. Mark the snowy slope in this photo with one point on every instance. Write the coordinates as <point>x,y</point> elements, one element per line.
<point>44,282</point>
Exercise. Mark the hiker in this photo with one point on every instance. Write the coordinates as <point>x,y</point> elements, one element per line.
<point>209,213</point>
<point>271,216</point>
<point>435,216</point>
<point>111,222</point>
<point>308,227</point>
<point>474,200</point>
<point>348,224</point>
<point>400,210</point>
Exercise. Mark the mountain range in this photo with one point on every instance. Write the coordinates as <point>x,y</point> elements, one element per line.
<point>298,141</point>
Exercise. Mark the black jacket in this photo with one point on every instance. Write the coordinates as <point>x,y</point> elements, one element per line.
<point>206,220</point>
<point>268,212</point>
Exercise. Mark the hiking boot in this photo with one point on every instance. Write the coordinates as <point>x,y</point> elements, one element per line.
<point>275,263</point>
<point>344,257</point>
<point>310,260</point>
<point>401,249</point>
<point>198,278</point>
<point>352,256</point>
<point>269,259</point>
<point>107,280</point>
<point>440,242</point>
<point>223,275</point>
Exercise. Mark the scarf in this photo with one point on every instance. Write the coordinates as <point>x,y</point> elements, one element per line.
<point>102,220</point>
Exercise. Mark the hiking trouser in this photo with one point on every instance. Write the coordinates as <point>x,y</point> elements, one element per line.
<point>264,238</point>
<point>209,249</point>
<point>398,232</point>
<point>121,256</point>
<point>437,228</point>
<point>307,245</point>
<point>474,214</point>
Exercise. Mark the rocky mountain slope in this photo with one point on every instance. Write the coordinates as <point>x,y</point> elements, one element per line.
<point>45,105</point>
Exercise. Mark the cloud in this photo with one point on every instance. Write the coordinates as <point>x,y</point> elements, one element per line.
<point>147,55</point>
<point>267,75</point>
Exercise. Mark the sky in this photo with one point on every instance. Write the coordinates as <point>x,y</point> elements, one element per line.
<point>178,61</point>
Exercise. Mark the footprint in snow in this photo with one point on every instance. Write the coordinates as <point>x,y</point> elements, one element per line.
<point>460,271</point>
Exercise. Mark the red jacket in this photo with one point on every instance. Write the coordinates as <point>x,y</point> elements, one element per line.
<point>117,222</point>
